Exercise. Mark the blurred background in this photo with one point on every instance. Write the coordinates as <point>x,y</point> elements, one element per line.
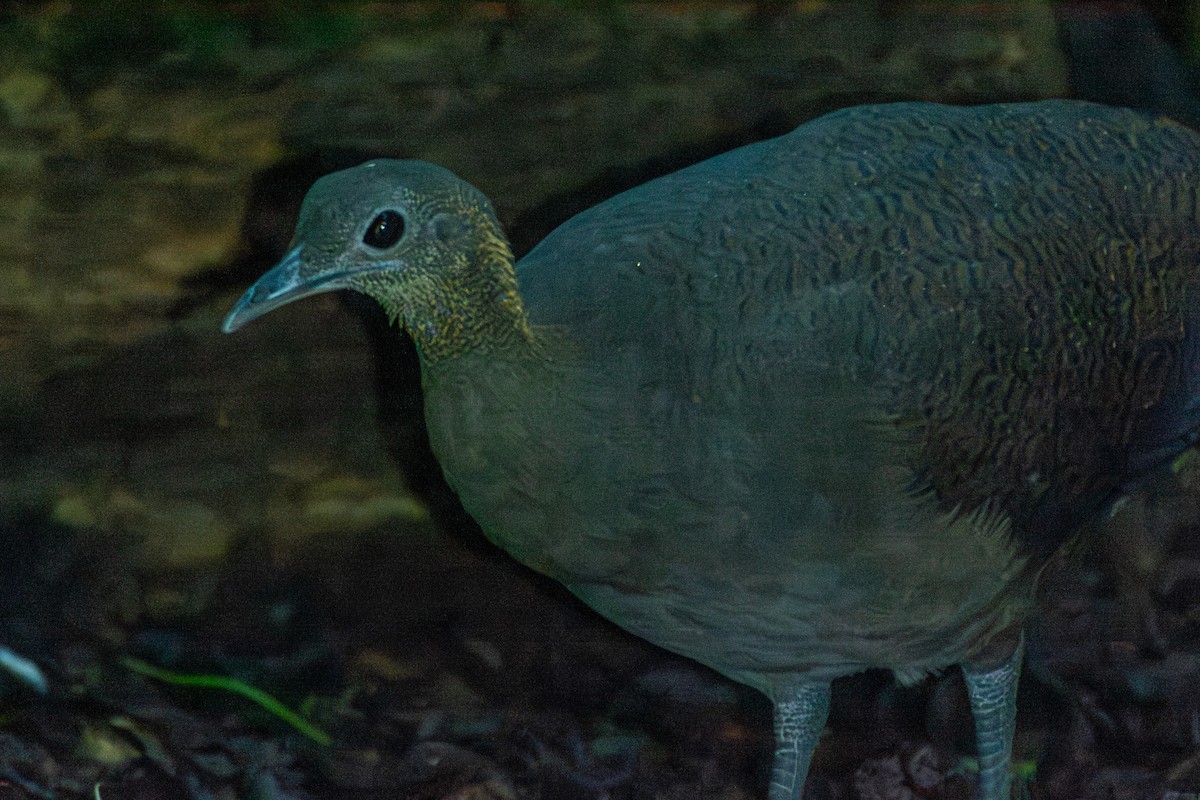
<point>264,507</point>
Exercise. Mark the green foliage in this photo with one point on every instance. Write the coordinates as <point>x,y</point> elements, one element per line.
<point>1193,40</point>
<point>88,45</point>
<point>86,48</point>
<point>227,684</point>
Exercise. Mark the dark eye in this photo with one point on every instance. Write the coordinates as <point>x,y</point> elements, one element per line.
<point>385,230</point>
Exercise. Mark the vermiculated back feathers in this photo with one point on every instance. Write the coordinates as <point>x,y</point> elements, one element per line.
<point>1014,278</point>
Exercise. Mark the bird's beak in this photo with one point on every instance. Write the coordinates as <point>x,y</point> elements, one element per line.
<point>281,284</point>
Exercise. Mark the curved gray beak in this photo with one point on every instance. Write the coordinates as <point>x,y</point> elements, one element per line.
<point>281,284</point>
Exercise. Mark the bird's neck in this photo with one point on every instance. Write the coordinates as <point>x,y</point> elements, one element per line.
<point>474,310</point>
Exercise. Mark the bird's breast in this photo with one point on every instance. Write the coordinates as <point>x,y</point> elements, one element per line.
<point>673,513</point>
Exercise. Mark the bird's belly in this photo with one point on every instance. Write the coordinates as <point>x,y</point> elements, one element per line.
<point>780,537</point>
<point>767,581</point>
<point>912,597</point>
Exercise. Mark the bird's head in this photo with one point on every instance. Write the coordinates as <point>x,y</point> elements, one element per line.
<point>410,234</point>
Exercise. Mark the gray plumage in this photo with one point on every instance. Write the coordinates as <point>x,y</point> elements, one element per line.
<point>820,404</point>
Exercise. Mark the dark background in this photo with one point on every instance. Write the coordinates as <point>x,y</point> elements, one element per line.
<point>265,507</point>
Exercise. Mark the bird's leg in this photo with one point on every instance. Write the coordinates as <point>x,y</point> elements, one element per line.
<point>800,712</point>
<point>993,693</point>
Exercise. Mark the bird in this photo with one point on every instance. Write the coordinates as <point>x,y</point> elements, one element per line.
<point>823,403</point>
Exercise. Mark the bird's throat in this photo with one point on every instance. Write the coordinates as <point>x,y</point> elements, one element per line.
<point>476,310</point>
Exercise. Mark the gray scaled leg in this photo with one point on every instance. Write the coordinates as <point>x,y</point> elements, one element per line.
<point>993,693</point>
<point>800,712</point>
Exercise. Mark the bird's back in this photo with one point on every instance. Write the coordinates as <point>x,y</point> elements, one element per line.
<point>1016,280</point>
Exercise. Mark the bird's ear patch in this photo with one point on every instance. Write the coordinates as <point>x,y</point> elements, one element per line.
<point>448,227</point>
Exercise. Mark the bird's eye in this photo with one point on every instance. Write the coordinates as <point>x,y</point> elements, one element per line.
<point>385,230</point>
